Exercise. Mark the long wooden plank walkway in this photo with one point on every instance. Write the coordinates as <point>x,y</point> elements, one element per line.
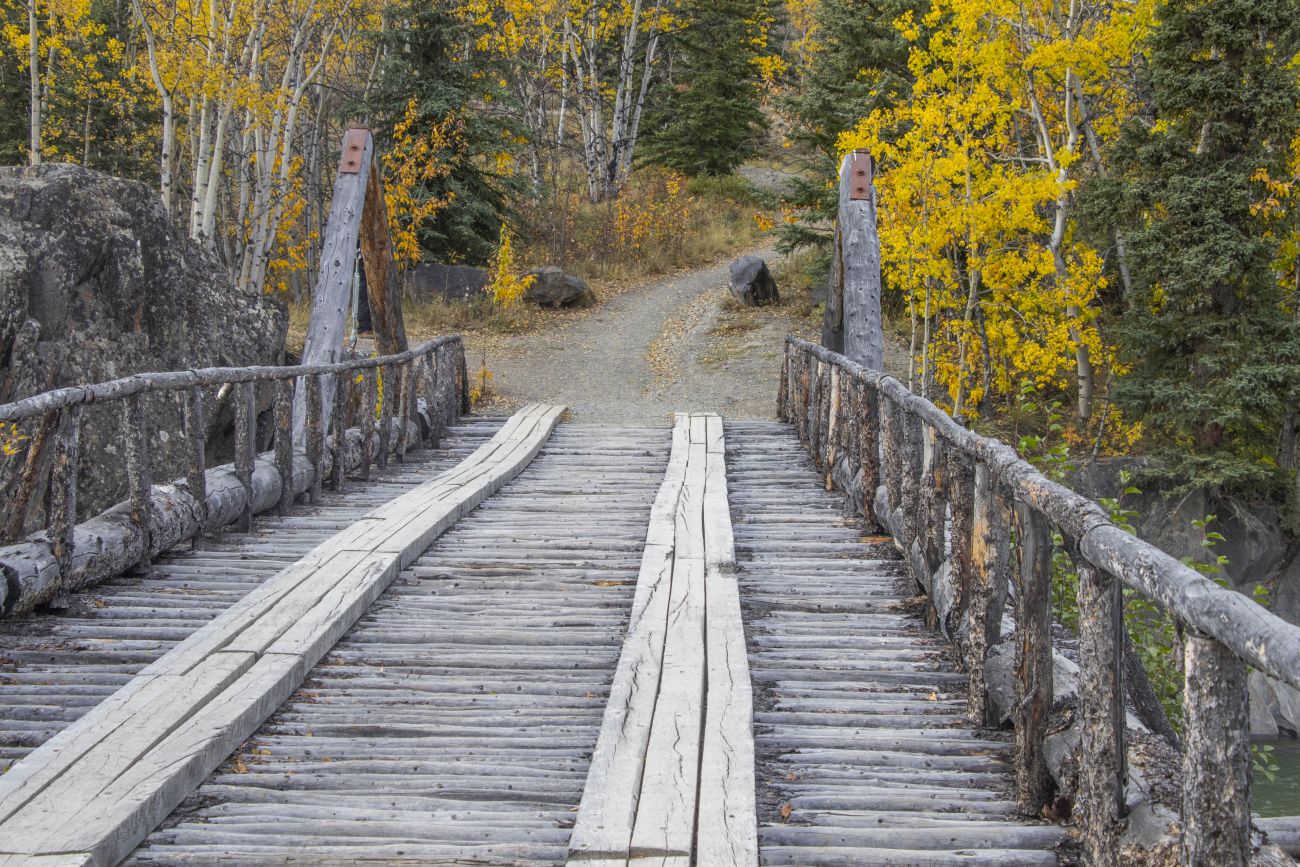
<point>455,722</point>
<point>863,753</point>
<point>56,666</point>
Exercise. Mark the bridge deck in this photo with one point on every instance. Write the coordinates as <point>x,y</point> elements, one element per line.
<point>455,722</point>
<point>864,755</point>
<point>54,667</point>
<point>456,719</point>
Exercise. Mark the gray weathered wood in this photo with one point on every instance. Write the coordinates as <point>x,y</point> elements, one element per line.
<point>383,284</point>
<point>990,568</point>
<point>851,323</point>
<point>284,442</point>
<point>63,488</point>
<point>369,403</point>
<point>15,525</point>
<point>1101,701</point>
<point>122,767</point>
<point>139,477</point>
<point>196,446</point>
<point>339,424</point>
<point>1033,682</point>
<point>315,434</point>
<point>245,448</point>
<point>1216,755</point>
<point>331,296</point>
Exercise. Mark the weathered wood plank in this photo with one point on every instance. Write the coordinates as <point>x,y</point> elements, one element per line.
<point>1033,682</point>
<point>118,779</point>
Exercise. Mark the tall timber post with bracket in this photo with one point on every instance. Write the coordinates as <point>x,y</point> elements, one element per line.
<point>851,322</point>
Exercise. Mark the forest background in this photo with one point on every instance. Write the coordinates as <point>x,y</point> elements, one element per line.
<point>1087,207</point>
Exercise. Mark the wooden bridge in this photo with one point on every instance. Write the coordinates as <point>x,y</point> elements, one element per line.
<point>424,637</point>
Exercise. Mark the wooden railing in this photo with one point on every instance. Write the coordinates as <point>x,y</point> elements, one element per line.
<point>395,400</point>
<point>975,524</point>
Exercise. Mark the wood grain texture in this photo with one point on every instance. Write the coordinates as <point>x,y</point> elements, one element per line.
<point>120,770</point>
<point>672,780</point>
<point>455,721</point>
<point>864,755</point>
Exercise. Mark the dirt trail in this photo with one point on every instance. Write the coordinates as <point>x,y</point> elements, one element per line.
<point>646,353</point>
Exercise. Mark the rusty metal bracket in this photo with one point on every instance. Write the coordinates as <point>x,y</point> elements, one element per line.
<point>861,166</point>
<point>354,143</point>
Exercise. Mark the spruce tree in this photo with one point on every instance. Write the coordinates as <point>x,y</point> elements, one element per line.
<point>1212,349</point>
<point>708,117</point>
<point>430,56</point>
<point>858,65</point>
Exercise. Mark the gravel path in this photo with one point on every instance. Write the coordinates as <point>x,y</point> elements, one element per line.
<point>643,354</point>
<point>672,345</point>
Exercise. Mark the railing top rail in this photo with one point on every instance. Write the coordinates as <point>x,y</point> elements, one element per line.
<point>1255,634</point>
<point>61,398</point>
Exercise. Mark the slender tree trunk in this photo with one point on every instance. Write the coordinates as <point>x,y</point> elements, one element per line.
<point>34,74</point>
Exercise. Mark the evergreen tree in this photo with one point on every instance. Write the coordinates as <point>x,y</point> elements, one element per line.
<point>858,65</point>
<point>1214,355</point>
<point>708,118</point>
<point>430,56</point>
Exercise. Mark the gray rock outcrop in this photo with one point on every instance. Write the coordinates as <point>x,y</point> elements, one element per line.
<point>430,280</point>
<point>97,283</point>
<point>551,287</point>
<point>752,283</point>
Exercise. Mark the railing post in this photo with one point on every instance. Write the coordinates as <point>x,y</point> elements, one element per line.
<point>440,406</point>
<point>891,439</point>
<point>1216,755</point>
<point>139,480</point>
<point>805,397</point>
<point>990,567</point>
<point>369,401</point>
<point>1033,681</point>
<point>783,387</point>
<point>833,401</point>
<point>63,488</point>
<point>1102,771</point>
<point>196,467</point>
<point>868,447</point>
<point>417,374</point>
<point>315,435</point>
<point>404,409</point>
<point>388,400</point>
<point>463,373</point>
<point>284,442</point>
<point>245,448</point>
<point>815,410</point>
<point>960,479</point>
<point>910,481</point>
<point>22,496</point>
<point>339,429</point>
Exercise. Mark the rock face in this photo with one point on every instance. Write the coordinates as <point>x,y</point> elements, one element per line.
<point>95,284</point>
<point>752,282</point>
<point>427,281</point>
<point>551,287</point>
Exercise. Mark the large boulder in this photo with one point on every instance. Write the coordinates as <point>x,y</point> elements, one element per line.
<point>752,283</point>
<point>551,287</point>
<point>97,283</point>
<point>431,280</point>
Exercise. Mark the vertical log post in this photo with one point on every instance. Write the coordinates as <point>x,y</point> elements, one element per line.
<point>990,564</point>
<point>339,429</point>
<point>869,451</point>
<point>284,442</point>
<point>369,401</point>
<point>315,434</point>
<point>1102,770</point>
<point>1216,756</point>
<point>196,467</point>
<point>961,483</point>
<point>783,387</point>
<point>1033,681</point>
<point>910,487</point>
<point>139,480</point>
<point>245,448</point>
<point>833,400</point>
<point>331,297</point>
<point>417,374</point>
<point>440,407</point>
<point>20,502</point>
<point>891,428</point>
<point>403,373</point>
<point>63,487</point>
<point>388,397</point>
<point>815,370</point>
<point>462,380</point>
<point>851,323</point>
